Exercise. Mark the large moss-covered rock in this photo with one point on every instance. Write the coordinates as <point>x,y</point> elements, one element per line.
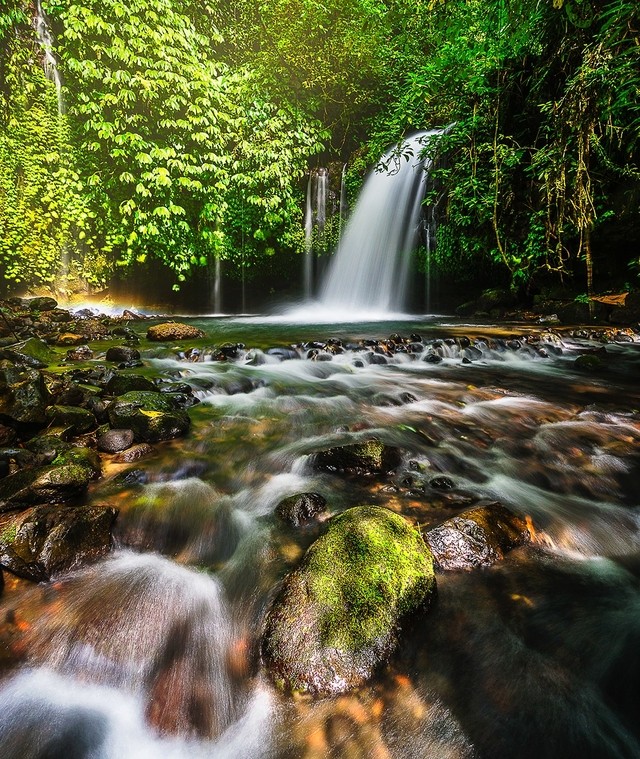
<point>151,416</point>
<point>44,540</point>
<point>32,352</point>
<point>66,477</point>
<point>477,538</point>
<point>337,616</point>
<point>76,420</point>
<point>368,457</point>
<point>173,331</point>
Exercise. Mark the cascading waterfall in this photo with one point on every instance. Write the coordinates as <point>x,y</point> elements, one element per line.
<point>370,268</point>
<point>217,287</point>
<point>315,221</point>
<point>45,38</point>
<point>343,198</point>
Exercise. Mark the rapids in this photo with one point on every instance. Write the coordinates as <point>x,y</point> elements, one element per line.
<point>153,651</point>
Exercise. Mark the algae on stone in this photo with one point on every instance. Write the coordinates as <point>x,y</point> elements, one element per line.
<point>338,614</point>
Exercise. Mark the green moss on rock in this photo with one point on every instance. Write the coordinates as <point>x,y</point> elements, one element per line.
<point>152,416</point>
<point>338,615</point>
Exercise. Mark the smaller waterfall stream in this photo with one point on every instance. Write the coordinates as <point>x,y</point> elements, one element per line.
<point>45,38</point>
<point>369,271</point>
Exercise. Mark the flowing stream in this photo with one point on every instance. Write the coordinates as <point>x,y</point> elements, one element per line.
<point>153,651</point>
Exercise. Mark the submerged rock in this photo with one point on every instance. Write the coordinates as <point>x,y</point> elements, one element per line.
<point>337,616</point>
<point>152,416</point>
<point>368,457</point>
<point>173,331</point>
<point>300,508</point>
<point>44,540</point>
<point>477,538</point>
<point>122,354</point>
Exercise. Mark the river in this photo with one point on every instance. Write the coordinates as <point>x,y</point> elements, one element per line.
<point>154,651</point>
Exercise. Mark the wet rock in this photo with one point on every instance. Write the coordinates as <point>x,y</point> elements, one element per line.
<point>173,331</point>
<point>284,354</point>
<point>66,477</point>
<point>81,353</point>
<point>7,435</point>
<point>338,615</point>
<point>122,354</point>
<point>134,453</point>
<point>477,538</point>
<point>120,384</point>
<point>41,304</point>
<point>45,540</point>
<point>114,441</point>
<point>152,416</point>
<point>368,457</point>
<point>442,483</point>
<point>32,352</point>
<point>23,396</point>
<point>300,508</point>
<point>589,362</point>
<point>76,420</point>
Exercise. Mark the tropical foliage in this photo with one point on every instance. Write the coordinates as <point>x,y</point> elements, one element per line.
<point>187,129</point>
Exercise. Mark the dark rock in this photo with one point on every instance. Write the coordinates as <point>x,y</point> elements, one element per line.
<point>41,304</point>
<point>114,441</point>
<point>300,508</point>
<point>368,457</point>
<point>23,396</point>
<point>45,540</point>
<point>120,384</point>
<point>433,358</point>
<point>338,615</point>
<point>122,354</point>
<point>173,331</point>
<point>7,435</point>
<point>477,538</point>
<point>66,477</point>
<point>151,416</point>
<point>77,420</point>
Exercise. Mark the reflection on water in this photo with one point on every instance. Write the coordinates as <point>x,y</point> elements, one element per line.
<point>153,651</point>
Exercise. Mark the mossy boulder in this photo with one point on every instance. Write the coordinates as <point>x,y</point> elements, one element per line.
<point>66,477</point>
<point>477,538</point>
<point>32,352</point>
<point>44,540</point>
<point>152,416</point>
<point>120,384</point>
<point>76,420</point>
<point>368,457</point>
<point>170,331</point>
<point>338,615</point>
<point>41,303</point>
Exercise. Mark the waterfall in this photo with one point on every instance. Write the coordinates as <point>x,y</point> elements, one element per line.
<point>308,241</point>
<point>217,287</point>
<point>370,268</point>
<point>343,199</point>
<point>45,38</point>
<point>321,200</point>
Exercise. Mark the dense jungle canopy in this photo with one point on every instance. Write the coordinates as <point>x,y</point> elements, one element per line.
<point>180,132</point>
